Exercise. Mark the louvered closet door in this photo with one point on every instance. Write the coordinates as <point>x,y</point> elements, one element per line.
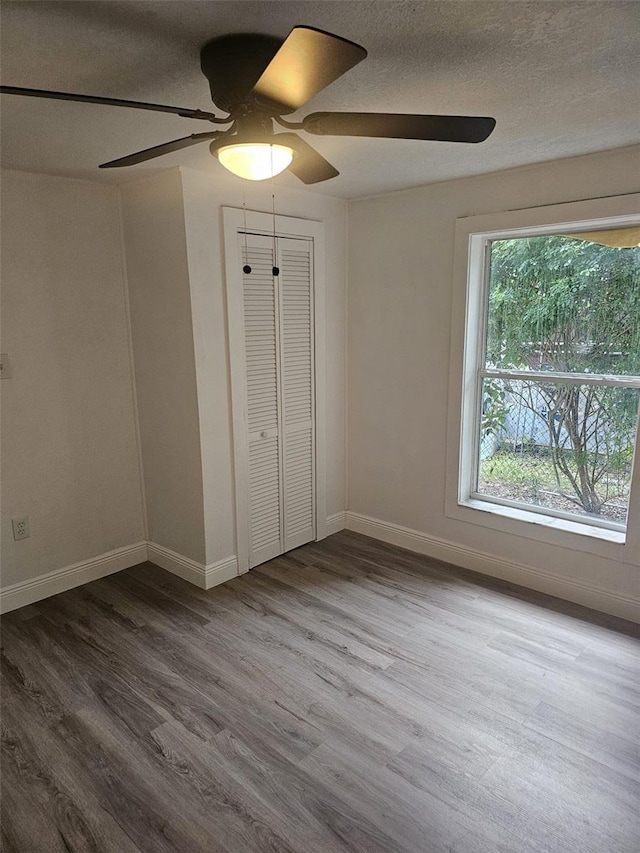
<point>279,365</point>
<point>262,346</point>
<point>297,349</point>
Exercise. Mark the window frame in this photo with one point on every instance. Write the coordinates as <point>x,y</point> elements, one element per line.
<point>469,325</point>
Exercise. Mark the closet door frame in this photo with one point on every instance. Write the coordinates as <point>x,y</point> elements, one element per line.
<point>285,226</point>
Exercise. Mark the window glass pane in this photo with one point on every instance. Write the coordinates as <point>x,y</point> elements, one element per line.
<point>568,448</point>
<point>565,304</point>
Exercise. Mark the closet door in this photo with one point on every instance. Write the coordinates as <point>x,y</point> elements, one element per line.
<point>295,260</point>
<point>262,366</point>
<point>279,371</point>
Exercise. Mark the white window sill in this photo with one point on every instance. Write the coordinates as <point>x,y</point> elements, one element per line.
<point>548,521</point>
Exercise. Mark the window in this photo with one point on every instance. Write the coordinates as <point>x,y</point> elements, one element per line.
<point>552,372</point>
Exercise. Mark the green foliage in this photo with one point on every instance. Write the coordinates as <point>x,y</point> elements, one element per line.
<point>564,304</point>
<point>518,471</point>
<point>571,306</point>
<point>494,410</point>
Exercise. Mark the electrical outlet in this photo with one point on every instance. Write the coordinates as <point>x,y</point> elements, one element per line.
<point>21,527</point>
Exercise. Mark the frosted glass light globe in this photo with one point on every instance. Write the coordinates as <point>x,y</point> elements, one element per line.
<point>255,161</point>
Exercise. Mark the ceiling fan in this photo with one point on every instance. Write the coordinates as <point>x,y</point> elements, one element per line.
<point>257,80</point>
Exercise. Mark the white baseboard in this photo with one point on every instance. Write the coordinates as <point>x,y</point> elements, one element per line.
<point>60,580</point>
<point>177,564</point>
<point>196,573</point>
<point>35,589</point>
<point>336,523</point>
<point>223,570</point>
<point>589,595</point>
<point>206,577</point>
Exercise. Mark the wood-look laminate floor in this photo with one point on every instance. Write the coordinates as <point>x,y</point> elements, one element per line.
<point>349,696</point>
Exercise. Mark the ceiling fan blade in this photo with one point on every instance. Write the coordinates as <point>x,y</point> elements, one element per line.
<point>400,126</point>
<point>307,61</point>
<point>308,165</point>
<point>159,150</point>
<point>112,102</point>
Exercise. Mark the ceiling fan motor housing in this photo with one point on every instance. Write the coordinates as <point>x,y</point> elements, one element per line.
<point>233,64</point>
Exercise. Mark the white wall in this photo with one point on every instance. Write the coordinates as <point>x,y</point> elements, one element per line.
<point>175,263</point>
<point>69,455</point>
<point>160,300</point>
<point>400,299</point>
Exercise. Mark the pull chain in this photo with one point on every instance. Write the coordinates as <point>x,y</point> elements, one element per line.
<point>276,270</point>
<point>246,269</point>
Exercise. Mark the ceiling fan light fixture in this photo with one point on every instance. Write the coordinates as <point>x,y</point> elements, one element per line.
<point>257,80</point>
<point>255,161</point>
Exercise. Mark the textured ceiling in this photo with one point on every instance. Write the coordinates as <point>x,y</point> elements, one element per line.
<point>561,78</point>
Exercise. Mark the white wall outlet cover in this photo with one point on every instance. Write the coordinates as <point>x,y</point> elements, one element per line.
<point>21,527</point>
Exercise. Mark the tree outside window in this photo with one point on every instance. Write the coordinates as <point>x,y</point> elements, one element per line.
<point>561,374</point>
